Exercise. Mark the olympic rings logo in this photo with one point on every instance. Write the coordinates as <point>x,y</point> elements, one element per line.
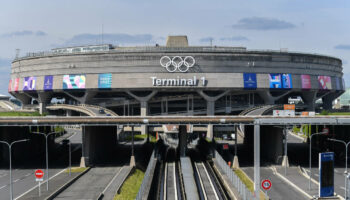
<point>177,63</point>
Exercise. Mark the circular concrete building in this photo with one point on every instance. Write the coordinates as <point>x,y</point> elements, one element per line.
<point>175,79</point>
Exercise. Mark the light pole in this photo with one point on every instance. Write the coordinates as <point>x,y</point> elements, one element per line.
<point>47,157</point>
<point>346,162</point>
<point>10,150</point>
<point>321,133</point>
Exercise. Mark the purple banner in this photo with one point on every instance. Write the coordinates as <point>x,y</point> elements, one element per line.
<point>48,82</point>
<point>29,83</point>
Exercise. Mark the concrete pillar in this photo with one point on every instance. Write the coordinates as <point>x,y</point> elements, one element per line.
<point>143,106</point>
<point>267,97</point>
<point>43,100</point>
<point>24,99</point>
<point>309,98</point>
<point>328,100</point>
<point>210,112</point>
<point>183,140</point>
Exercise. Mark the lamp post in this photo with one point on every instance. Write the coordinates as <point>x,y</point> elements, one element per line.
<point>346,162</point>
<point>321,133</point>
<point>10,150</point>
<point>47,157</point>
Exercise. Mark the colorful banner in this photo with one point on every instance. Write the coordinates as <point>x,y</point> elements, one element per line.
<point>249,80</point>
<point>275,80</point>
<point>16,85</point>
<point>29,83</point>
<point>48,82</point>
<point>287,81</point>
<point>10,86</point>
<point>324,82</point>
<point>74,81</point>
<point>104,81</point>
<point>305,81</point>
<point>337,83</point>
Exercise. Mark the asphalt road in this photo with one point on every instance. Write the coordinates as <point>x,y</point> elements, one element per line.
<point>279,189</point>
<point>24,179</point>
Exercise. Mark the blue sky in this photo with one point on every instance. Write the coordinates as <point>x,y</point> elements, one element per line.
<point>314,26</point>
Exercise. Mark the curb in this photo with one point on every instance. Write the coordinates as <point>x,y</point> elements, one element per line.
<point>230,191</point>
<point>261,191</point>
<point>65,186</point>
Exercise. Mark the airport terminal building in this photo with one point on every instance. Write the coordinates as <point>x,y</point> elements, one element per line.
<point>175,79</point>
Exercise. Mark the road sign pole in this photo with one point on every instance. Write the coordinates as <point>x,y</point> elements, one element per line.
<point>257,161</point>
<point>11,190</point>
<point>39,188</point>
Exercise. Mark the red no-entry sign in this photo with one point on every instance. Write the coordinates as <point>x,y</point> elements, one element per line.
<point>39,174</point>
<point>266,184</point>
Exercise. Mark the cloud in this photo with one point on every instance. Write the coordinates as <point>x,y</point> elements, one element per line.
<point>5,62</point>
<point>343,47</point>
<point>24,33</point>
<point>260,23</point>
<point>206,39</point>
<point>117,38</point>
<point>234,38</point>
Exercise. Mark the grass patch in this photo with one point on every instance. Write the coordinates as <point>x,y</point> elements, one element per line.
<point>76,169</point>
<point>19,114</point>
<point>246,181</point>
<point>339,113</point>
<point>152,139</point>
<point>131,186</point>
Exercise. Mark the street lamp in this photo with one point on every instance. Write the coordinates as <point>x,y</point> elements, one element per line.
<point>10,150</point>
<point>47,157</point>
<point>346,162</point>
<point>321,133</point>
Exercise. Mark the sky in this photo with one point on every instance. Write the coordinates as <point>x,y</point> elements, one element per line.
<point>311,26</point>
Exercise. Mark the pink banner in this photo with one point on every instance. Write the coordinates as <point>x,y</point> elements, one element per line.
<point>305,81</point>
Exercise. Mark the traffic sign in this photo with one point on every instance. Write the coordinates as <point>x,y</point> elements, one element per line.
<point>225,146</point>
<point>39,174</point>
<point>266,184</point>
<point>326,131</point>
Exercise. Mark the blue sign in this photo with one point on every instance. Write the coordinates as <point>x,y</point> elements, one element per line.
<point>105,81</point>
<point>275,81</point>
<point>326,178</point>
<point>249,80</point>
<point>48,82</point>
<point>287,81</point>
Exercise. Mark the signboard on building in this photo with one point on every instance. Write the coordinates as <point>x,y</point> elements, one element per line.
<point>105,81</point>
<point>29,83</point>
<point>16,85</point>
<point>287,81</point>
<point>48,82</point>
<point>324,82</point>
<point>326,176</point>
<point>305,81</point>
<point>275,81</point>
<point>74,81</point>
<point>249,80</point>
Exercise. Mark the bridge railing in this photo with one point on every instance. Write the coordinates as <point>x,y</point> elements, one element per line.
<point>143,193</point>
<point>234,179</point>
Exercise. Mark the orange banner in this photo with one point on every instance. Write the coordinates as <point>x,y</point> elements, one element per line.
<point>289,106</point>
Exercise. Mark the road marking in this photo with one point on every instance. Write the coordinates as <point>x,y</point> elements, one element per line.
<point>28,174</point>
<point>336,170</point>
<point>2,187</point>
<point>317,175</point>
<point>37,185</point>
<point>16,180</point>
<point>343,188</point>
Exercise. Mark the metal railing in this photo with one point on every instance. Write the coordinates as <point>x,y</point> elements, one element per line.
<point>234,179</point>
<point>145,181</point>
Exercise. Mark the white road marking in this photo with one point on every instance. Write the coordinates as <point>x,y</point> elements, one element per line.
<point>16,180</point>
<point>2,187</point>
<point>336,171</point>
<point>317,175</point>
<point>343,188</point>
<point>37,185</point>
<point>28,174</point>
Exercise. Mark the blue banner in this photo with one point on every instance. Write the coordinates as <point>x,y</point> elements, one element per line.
<point>48,82</point>
<point>105,81</point>
<point>249,80</point>
<point>275,81</point>
<point>287,81</point>
<point>326,176</point>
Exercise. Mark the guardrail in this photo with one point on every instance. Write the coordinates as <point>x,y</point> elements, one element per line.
<point>234,179</point>
<point>145,181</point>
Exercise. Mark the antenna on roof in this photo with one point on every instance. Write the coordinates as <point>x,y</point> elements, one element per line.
<point>102,34</point>
<point>17,53</point>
